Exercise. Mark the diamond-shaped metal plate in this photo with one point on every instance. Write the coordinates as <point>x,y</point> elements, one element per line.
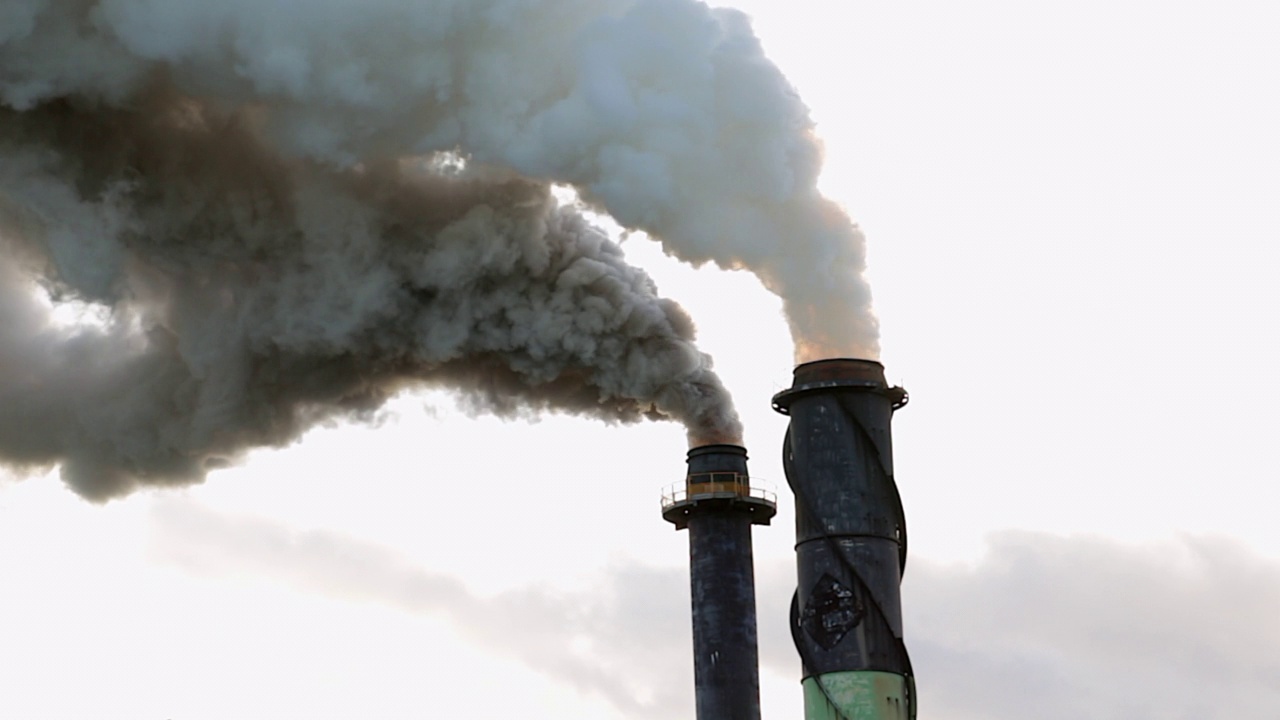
<point>831,612</point>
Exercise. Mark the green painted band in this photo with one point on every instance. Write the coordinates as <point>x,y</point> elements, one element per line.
<point>856,695</point>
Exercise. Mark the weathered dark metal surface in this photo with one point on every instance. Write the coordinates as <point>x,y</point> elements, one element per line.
<point>722,583</point>
<point>717,459</point>
<point>850,528</point>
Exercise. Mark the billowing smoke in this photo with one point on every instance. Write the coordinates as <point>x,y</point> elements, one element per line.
<point>291,209</point>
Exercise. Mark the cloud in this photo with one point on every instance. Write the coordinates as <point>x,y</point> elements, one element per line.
<point>1067,627</point>
<point>1042,626</point>
<point>625,640</point>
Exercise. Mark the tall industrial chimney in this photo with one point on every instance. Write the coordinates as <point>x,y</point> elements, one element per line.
<point>718,505</point>
<point>851,541</point>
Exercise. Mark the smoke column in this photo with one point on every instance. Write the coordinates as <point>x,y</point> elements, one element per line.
<point>264,197</point>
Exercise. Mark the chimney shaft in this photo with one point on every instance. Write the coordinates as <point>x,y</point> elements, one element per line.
<point>718,506</point>
<point>851,541</point>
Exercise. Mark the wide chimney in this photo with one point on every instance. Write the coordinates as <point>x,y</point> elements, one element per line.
<point>718,505</point>
<point>851,541</point>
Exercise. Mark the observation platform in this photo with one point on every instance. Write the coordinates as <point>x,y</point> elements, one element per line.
<point>719,492</point>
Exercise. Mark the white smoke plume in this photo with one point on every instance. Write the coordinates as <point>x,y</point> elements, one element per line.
<point>249,188</point>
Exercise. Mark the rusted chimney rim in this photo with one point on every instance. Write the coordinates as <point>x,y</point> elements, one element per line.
<point>838,374</point>
<point>717,449</point>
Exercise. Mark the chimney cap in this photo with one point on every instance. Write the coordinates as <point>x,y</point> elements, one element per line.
<point>717,449</point>
<point>838,374</point>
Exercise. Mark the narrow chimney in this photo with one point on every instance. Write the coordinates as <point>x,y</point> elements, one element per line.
<point>851,541</point>
<point>718,505</point>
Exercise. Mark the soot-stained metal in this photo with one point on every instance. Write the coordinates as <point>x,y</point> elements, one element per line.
<point>718,507</point>
<point>851,535</point>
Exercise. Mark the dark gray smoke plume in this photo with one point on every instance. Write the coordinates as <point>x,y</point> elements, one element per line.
<point>251,296</point>
<point>293,208</point>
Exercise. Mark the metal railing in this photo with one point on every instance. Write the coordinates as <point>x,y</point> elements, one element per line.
<point>718,484</point>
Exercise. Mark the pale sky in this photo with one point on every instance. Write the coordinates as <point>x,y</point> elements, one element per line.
<point>1070,209</point>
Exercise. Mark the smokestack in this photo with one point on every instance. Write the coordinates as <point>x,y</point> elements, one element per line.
<point>851,541</point>
<point>718,505</point>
